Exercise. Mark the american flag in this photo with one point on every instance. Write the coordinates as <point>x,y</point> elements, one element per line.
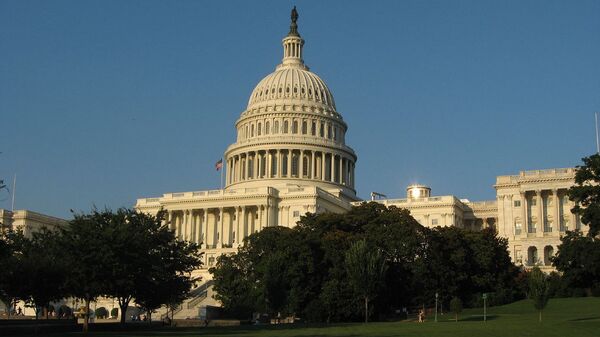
<point>219,164</point>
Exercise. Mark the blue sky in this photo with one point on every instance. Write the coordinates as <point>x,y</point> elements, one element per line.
<point>102,102</point>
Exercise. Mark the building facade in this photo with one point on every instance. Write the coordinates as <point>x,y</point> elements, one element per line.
<point>28,221</point>
<point>290,158</point>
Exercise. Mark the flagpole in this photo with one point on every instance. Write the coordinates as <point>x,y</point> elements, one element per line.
<point>222,169</point>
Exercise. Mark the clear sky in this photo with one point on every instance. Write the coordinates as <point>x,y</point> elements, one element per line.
<point>103,102</point>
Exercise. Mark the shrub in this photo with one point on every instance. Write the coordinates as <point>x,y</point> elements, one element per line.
<point>114,312</point>
<point>101,312</point>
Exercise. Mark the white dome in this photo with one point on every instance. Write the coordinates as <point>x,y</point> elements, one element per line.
<point>292,83</point>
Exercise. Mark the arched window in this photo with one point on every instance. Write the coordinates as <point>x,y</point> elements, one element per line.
<point>275,127</point>
<point>267,127</point>
<point>250,168</point>
<point>284,165</point>
<point>285,126</point>
<point>263,166</point>
<point>304,128</point>
<point>252,130</point>
<point>322,131</point>
<point>246,133</point>
<point>532,256</point>
<point>295,127</point>
<point>335,133</point>
<point>329,131</point>
<point>294,165</point>
<point>313,128</point>
<point>258,129</point>
<point>548,253</point>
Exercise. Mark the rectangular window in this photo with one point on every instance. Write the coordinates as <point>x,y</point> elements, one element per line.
<point>517,203</point>
<point>296,214</point>
<point>434,222</point>
<point>517,228</point>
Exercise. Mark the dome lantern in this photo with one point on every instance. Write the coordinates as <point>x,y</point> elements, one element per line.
<point>292,45</point>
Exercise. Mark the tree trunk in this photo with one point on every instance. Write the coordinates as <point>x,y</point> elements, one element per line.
<point>86,317</point>
<point>366,309</point>
<point>123,305</point>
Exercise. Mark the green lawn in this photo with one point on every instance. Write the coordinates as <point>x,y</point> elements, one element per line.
<point>578,317</point>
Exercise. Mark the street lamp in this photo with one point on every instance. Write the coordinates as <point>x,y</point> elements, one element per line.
<point>484,308</point>
<point>436,305</point>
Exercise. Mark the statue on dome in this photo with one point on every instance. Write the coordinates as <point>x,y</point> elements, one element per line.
<point>294,15</point>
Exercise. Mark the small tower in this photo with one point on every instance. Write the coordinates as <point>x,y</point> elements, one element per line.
<point>417,191</point>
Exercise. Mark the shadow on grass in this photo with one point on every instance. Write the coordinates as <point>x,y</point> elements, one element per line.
<point>477,318</point>
<point>592,318</point>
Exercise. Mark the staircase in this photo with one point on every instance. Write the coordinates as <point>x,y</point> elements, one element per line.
<point>190,308</point>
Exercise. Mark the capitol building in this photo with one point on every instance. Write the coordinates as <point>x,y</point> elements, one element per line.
<point>290,157</point>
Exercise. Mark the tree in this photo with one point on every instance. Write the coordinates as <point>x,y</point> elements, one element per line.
<point>12,244</point>
<point>578,258</point>
<point>539,290</point>
<point>85,242</point>
<point>456,306</point>
<point>42,271</point>
<point>101,312</point>
<point>586,193</point>
<point>366,271</point>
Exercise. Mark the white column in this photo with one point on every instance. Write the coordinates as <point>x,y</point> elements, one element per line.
<point>289,163</point>
<point>313,168</point>
<point>524,219</point>
<point>332,168</point>
<point>540,214</point>
<point>205,228</point>
<point>219,229</point>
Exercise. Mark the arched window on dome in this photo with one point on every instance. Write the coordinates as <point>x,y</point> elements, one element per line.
<point>304,128</point>
<point>287,90</point>
<point>313,128</point>
<point>258,129</point>
<point>295,126</point>
<point>309,92</point>
<point>250,168</point>
<point>335,133</point>
<point>267,127</point>
<point>322,131</point>
<point>275,127</point>
<point>280,90</point>
<point>295,165</point>
<point>246,133</point>
<point>263,166</point>
<point>329,131</point>
<point>252,130</point>
<point>286,126</point>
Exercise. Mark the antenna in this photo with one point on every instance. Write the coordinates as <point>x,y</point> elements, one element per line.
<point>597,139</point>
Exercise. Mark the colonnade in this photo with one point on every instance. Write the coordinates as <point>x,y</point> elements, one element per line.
<point>220,227</point>
<point>291,163</point>
<point>545,211</point>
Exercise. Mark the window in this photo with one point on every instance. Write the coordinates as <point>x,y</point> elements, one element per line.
<point>305,166</point>
<point>329,131</point>
<point>273,166</point>
<point>434,222</point>
<point>267,127</point>
<point>285,126</point>
<point>518,228</point>
<point>304,128</point>
<point>517,203</point>
<point>295,127</point>
<point>296,214</point>
<point>335,133</point>
<point>322,131</point>
<point>294,165</point>
<point>533,201</point>
<point>284,165</point>
<point>313,128</point>
<point>258,129</point>
<point>252,130</point>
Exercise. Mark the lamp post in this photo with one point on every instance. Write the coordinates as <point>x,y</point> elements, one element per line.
<point>436,305</point>
<point>484,307</point>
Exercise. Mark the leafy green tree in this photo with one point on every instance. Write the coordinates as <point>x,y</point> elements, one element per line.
<point>586,193</point>
<point>366,271</point>
<point>456,306</point>
<point>539,290</point>
<point>12,244</point>
<point>42,270</point>
<point>87,253</point>
<point>578,258</point>
<point>101,312</point>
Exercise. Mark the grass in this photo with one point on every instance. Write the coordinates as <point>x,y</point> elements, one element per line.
<point>563,317</point>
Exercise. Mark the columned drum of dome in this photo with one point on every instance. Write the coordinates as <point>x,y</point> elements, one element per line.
<point>291,132</point>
